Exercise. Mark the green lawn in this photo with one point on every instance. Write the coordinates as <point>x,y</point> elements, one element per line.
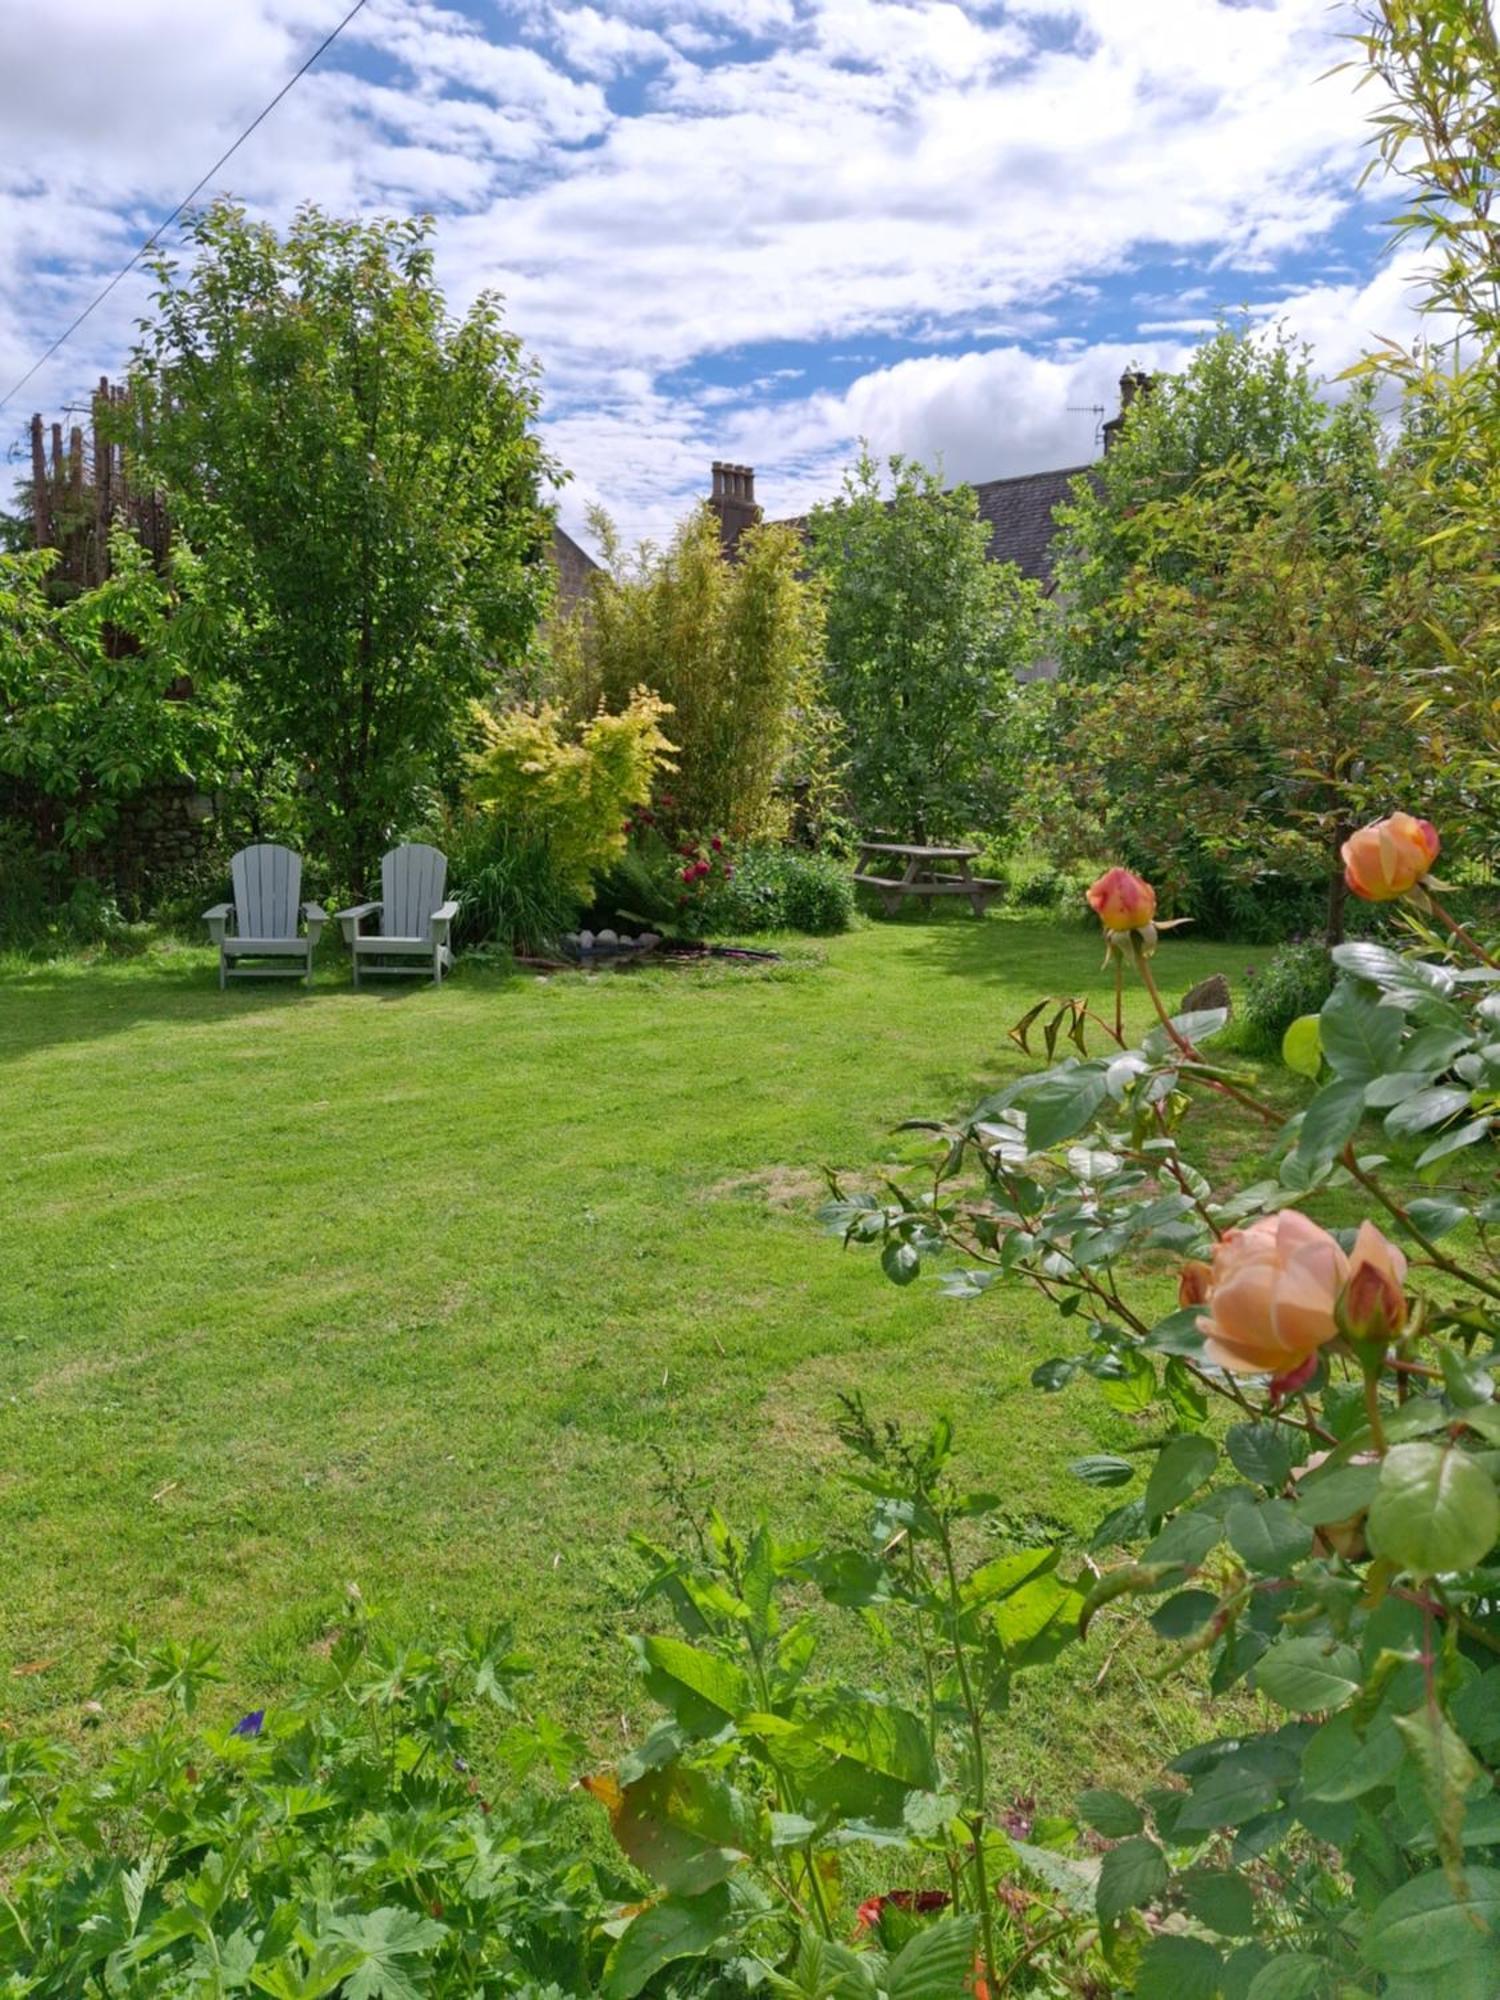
<point>403,1287</point>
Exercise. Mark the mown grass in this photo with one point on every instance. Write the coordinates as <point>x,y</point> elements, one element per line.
<point>409,1289</point>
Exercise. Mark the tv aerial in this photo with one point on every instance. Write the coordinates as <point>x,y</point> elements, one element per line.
<point>1097,411</point>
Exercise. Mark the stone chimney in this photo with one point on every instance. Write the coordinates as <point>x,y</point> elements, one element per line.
<point>1134,382</point>
<point>733,500</point>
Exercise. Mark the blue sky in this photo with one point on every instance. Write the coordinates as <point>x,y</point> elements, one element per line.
<point>750,229</point>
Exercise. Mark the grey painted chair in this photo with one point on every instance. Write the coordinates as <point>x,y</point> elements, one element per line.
<point>261,922</point>
<point>412,919</point>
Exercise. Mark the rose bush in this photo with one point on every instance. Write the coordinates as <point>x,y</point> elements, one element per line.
<point>1332,1549</point>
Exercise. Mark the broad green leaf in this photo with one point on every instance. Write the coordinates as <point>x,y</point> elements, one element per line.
<point>1342,1763</point>
<point>1186,1539</point>
<point>1454,1141</point>
<point>386,1938</point>
<point>1295,1976</point>
<point>1302,1047</point>
<point>935,1964</point>
<point>1183,1392</point>
<point>1447,1768</point>
<point>1434,1509</point>
<point>1263,1453</point>
<point>702,1691</point>
<point>1036,1622</point>
<point>1133,1388</point>
<point>1130,1874</point>
<point>1220,1902</point>
<point>1360,1038</point>
<point>686,1828</point>
<point>1231,1793</point>
<point>900,1262</point>
<point>677,1927</point>
<point>1424,1927</point>
<point>1182,1615</point>
<point>1425,1109</point>
<point>1183,1465</point>
<point>1476,1710</point>
<point>1109,1813</point>
<point>1466,1378</point>
<point>1435,1215</point>
<point>1330,1120</point>
<point>1187,1968</point>
<point>1103,1469</point>
<point>1268,1537</point>
<point>1338,1495</point>
<point>1062,1105</point>
<point>1306,1675</point>
<point>856,1758</point>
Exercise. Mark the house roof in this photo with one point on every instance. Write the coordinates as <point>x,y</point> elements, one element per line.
<point>1020,514</point>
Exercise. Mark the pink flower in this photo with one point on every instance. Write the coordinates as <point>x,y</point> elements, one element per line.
<point>1122,901</point>
<point>1273,1293</point>
<point>688,874</point>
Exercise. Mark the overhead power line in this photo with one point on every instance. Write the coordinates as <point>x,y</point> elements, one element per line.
<point>156,235</point>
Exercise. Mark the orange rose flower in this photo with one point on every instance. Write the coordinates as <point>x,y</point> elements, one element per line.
<point>1383,861</point>
<point>1273,1294</point>
<point>1122,901</point>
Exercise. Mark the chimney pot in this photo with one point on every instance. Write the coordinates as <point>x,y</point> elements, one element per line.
<point>733,500</point>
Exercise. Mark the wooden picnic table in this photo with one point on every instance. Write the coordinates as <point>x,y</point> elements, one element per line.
<point>924,875</point>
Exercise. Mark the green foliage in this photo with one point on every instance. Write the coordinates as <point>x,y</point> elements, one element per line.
<point>356,474</point>
<point>925,636</point>
<point>44,907</point>
<point>734,647</point>
<point>780,889</point>
<point>1295,980</point>
<point>567,790</point>
<point>91,689</point>
<point>506,882</point>
<point>334,1843</point>
<point>1336,1553</point>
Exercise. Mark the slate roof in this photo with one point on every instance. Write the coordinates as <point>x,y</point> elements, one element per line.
<point>1020,514</point>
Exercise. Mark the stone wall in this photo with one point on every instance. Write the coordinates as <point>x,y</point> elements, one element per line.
<point>163,829</point>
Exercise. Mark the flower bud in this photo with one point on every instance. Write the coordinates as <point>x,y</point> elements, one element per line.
<point>1385,860</point>
<point>1122,901</point>
<point>1372,1309</point>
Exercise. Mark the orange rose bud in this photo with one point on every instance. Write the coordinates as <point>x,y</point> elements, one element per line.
<point>1385,860</point>
<point>1373,1306</point>
<point>1122,901</point>
<point>1193,1282</point>
<point>1273,1294</point>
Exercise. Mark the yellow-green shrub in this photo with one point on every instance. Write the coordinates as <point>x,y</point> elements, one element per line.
<point>572,789</point>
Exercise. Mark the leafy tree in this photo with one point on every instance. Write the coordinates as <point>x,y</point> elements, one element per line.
<point>732,645</point>
<point>925,639</point>
<point>89,691</point>
<point>1244,398</point>
<point>1270,704</point>
<point>357,473</point>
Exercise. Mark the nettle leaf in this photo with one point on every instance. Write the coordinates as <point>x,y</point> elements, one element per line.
<point>1129,1875</point>
<point>1183,1465</point>
<point>1306,1675</point>
<point>1302,1047</point>
<point>1294,1976</point>
<point>1109,1813</point>
<point>1035,1623</point>
<point>856,1758</point>
<point>1234,1791</point>
<point>1425,1927</point>
<point>1268,1537</point>
<point>1359,1037</point>
<point>1434,1509</point>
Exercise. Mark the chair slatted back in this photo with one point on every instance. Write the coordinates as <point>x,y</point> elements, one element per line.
<point>411,886</point>
<point>267,884</point>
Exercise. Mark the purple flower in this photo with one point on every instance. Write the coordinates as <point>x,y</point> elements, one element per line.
<point>251,1724</point>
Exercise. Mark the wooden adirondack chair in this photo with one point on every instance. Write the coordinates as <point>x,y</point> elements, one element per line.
<point>264,917</point>
<point>414,920</point>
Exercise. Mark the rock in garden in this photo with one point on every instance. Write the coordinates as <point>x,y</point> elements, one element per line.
<point>1208,993</point>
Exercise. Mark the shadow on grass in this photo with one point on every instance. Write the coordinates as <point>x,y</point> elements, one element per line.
<point>54,1001</point>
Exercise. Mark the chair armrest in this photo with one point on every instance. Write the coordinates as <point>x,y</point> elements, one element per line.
<point>446,914</point>
<point>217,919</point>
<point>351,919</point>
<point>316,916</point>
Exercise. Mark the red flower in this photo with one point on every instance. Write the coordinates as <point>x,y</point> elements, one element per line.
<point>688,874</point>
<point>700,868</point>
<point>717,845</point>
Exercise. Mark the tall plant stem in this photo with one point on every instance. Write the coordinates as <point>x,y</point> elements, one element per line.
<point>1372,1407</point>
<point>978,1819</point>
<point>1393,1207</point>
<point>1119,998</point>
<point>1463,936</point>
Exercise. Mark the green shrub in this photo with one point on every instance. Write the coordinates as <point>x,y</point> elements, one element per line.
<point>507,884</point>
<point>780,889</point>
<point>45,905</point>
<point>1295,980</point>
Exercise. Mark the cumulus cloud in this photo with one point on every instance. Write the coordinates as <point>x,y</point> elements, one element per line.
<point>974,186</point>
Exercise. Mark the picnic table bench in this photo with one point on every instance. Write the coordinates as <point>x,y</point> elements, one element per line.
<point>924,875</point>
